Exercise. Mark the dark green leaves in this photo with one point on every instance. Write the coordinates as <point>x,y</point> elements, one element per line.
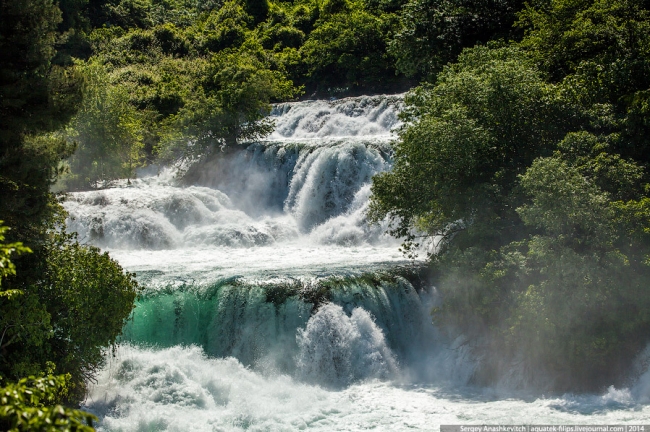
<point>434,32</point>
<point>529,165</point>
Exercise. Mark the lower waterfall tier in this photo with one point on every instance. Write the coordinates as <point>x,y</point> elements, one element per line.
<point>331,330</point>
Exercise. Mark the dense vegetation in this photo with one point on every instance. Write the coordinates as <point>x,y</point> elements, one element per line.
<point>61,303</point>
<point>527,164</point>
<point>162,74</point>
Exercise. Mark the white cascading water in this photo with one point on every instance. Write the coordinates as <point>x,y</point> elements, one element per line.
<point>271,305</point>
<point>340,350</point>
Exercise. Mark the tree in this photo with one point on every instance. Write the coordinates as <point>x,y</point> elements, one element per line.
<point>107,131</point>
<point>70,311</point>
<point>347,51</point>
<point>36,97</point>
<point>434,32</point>
<point>600,50</point>
<point>224,28</point>
<point>466,140</point>
<point>31,403</point>
<point>540,220</point>
<point>230,102</point>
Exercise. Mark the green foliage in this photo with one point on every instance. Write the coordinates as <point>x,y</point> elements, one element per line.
<point>564,203</point>
<point>23,318</point>
<point>348,51</point>
<point>152,90</point>
<point>85,287</point>
<point>601,52</point>
<point>68,303</point>
<point>258,9</point>
<point>585,270</point>
<point>278,37</point>
<point>69,309</point>
<point>7,268</point>
<point>224,28</point>
<point>570,36</point>
<point>25,324</point>
<point>484,122</point>
<point>162,53</point>
<point>53,309</point>
<point>537,203</point>
<point>31,404</point>
<point>26,174</point>
<point>232,97</point>
<point>107,131</point>
<point>434,32</point>
<point>120,13</point>
<point>569,301</point>
<point>61,305</point>
<point>34,95</point>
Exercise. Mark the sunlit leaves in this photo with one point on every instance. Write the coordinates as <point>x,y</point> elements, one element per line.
<point>565,203</point>
<point>31,404</point>
<point>231,98</point>
<point>467,139</point>
<point>7,268</point>
<point>108,131</point>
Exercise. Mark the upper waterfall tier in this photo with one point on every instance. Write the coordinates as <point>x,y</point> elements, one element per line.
<point>309,182</point>
<point>364,116</point>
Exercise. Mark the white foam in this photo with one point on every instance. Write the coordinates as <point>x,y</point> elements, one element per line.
<point>338,350</point>
<point>365,116</point>
<point>320,183</point>
<point>180,389</point>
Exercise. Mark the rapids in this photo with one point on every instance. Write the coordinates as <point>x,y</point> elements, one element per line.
<point>270,304</point>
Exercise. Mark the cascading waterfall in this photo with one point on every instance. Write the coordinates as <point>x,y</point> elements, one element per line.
<point>273,324</point>
<point>317,184</point>
<point>271,304</point>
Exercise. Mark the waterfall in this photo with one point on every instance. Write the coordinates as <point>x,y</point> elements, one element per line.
<point>301,194</point>
<point>365,116</point>
<point>279,324</point>
<point>264,193</point>
<point>270,303</point>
